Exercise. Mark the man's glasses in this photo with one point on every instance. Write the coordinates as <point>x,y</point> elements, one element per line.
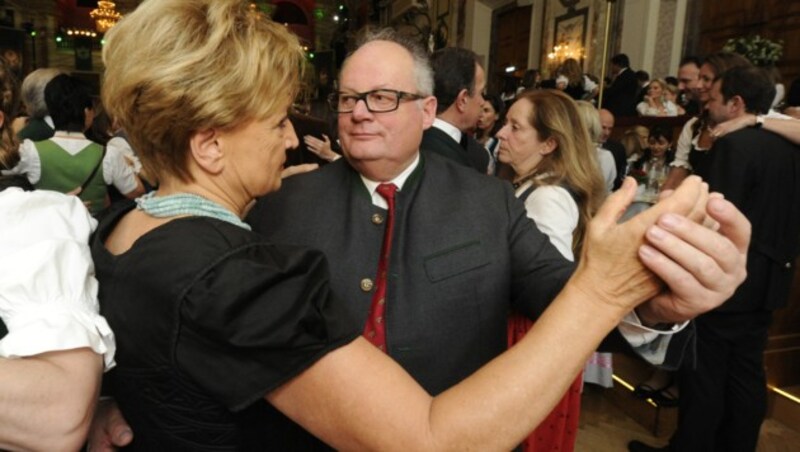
<point>377,100</point>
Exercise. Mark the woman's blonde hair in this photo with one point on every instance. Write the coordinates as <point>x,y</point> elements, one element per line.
<point>672,89</point>
<point>632,143</point>
<point>663,84</point>
<point>573,164</point>
<point>175,67</point>
<point>591,119</point>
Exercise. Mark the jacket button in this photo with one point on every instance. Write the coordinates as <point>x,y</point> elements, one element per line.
<point>788,265</point>
<point>377,218</point>
<point>366,284</point>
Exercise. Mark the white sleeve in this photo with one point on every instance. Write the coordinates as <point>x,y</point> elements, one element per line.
<point>643,109</point>
<point>117,172</point>
<point>29,163</point>
<point>588,84</point>
<point>48,292</point>
<point>555,214</point>
<point>608,166</point>
<point>672,109</point>
<point>649,343</point>
<point>780,92</point>
<point>122,146</point>
<point>778,115</point>
<point>684,146</point>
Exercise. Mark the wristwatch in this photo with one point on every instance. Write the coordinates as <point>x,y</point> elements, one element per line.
<point>759,121</point>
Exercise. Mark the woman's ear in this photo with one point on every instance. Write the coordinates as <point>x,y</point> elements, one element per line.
<point>2,120</point>
<point>206,152</point>
<point>548,146</point>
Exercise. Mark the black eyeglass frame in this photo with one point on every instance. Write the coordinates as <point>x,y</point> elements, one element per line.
<point>333,99</point>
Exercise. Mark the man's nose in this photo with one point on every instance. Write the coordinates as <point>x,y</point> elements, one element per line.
<point>360,110</point>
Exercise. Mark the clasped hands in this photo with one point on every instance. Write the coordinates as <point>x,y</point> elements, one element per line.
<point>676,260</point>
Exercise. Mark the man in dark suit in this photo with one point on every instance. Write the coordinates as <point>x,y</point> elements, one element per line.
<point>463,251</point>
<point>723,399</point>
<point>459,81</point>
<point>621,95</point>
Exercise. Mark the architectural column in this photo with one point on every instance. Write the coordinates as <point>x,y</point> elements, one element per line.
<point>478,32</point>
<point>639,32</point>
<point>537,26</point>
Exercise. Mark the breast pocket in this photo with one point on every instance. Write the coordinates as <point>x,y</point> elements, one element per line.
<point>455,260</point>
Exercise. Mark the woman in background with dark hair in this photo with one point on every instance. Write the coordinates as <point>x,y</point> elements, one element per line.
<point>490,119</point>
<point>659,150</point>
<point>489,122</point>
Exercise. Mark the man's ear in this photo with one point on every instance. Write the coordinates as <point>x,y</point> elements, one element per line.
<point>739,103</point>
<point>428,111</point>
<point>462,99</point>
<point>206,152</point>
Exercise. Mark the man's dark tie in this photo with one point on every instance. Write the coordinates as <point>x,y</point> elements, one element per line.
<point>464,141</point>
<point>375,329</point>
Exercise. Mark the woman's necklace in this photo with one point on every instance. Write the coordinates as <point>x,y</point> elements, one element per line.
<point>186,204</point>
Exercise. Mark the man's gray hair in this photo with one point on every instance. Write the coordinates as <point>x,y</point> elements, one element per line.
<point>423,74</point>
<point>32,91</point>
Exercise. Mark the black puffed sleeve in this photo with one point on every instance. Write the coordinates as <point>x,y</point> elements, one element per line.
<point>257,317</point>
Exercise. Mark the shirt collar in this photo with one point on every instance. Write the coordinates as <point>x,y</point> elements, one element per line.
<point>65,134</point>
<point>50,122</point>
<point>399,181</point>
<point>448,128</point>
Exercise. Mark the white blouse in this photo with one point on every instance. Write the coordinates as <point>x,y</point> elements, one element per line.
<point>555,213</point>
<point>668,109</point>
<point>48,292</point>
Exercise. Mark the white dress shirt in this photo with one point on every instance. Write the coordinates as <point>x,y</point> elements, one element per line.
<point>448,128</point>
<point>399,181</point>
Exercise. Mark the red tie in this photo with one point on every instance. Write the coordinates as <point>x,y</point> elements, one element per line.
<point>375,329</point>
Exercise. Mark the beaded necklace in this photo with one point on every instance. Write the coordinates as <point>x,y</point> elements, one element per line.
<point>186,204</point>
